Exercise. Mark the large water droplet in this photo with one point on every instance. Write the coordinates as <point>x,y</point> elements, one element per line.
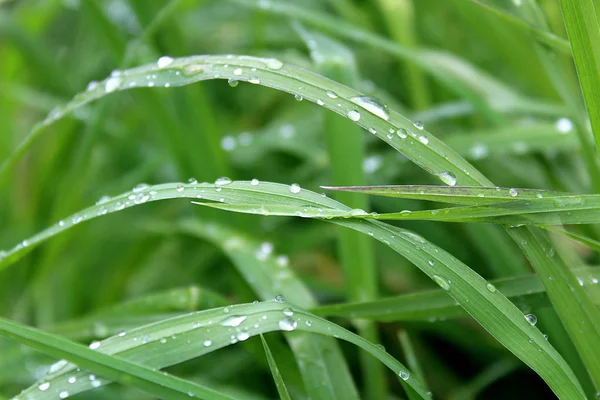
<point>532,319</point>
<point>353,115</point>
<point>295,188</point>
<point>254,80</point>
<point>164,61</point>
<point>373,105</point>
<point>513,192</point>
<point>222,181</point>
<point>95,345</point>
<point>448,178</point>
<point>287,324</point>
<point>418,125</point>
<point>254,182</point>
<point>405,375</point>
<point>402,134</point>
<point>273,63</point>
<point>444,284</point>
<point>243,335</point>
<point>44,386</point>
<point>112,84</point>
<point>279,298</point>
<point>490,287</point>
<point>288,312</point>
<point>234,320</point>
<point>423,139</point>
<point>207,343</point>
<point>233,82</point>
<point>63,395</point>
<point>237,71</point>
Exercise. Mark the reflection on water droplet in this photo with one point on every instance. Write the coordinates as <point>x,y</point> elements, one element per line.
<point>448,178</point>
<point>254,80</point>
<point>222,181</point>
<point>44,386</point>
<point>405,375</point>
<point>164,61</point>
<point>532,319</point>
<point>441,282</point>
<point>234,320</point>
<point>513,192</point>
<point>287,324</point>
<point>373,105</point>
<point>418,125</point>
<point>63,395</point>
<point>353,115</point>
<point>112,84</point>
<point>254,182</point>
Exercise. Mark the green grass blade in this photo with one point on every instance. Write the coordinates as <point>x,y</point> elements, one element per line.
<point>527,292</point>
<point>192,335</point>
<point>506,323</point>
<point>583,28</point>
<point>117,369</point>
<point>281,388</point>
<point>545,37</point>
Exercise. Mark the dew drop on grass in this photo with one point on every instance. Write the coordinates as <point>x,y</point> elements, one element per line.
<point>373,105</point>
<point>63,395</point>
<point>353,115</point>
<point>358,212</point>
<point>207,343</point>
<point>490,287</point>
<point>401,132</point>
<point>273,63</point>
<point>308,323</point>
<point>72,379</point>
<point>164,61</point>
<point>95,345</point>
<point>254,182</point>
<point>279,299</point>
<point>532,319</point>
<point>373,131</point>
<point>112,84</point>
<point>564,125</point>
<point>295,188</point>
<point>243,335</point>
<point>254,80</point>
<point>298,97</point>
<point>448,178</point>
<point>513,192</point>
<point>331,95</point>
<point>237,71</point>
<point>222,181</point>
<point>44,386</point>
<point>179,188</point>
<point>423,139</point>
<point>233,82</point>
<point>234,320</point>
<point>288,312</point>
<point>405,375</point>
<point>418,125</point>
<point>287,324</point>
<point>441,282</point>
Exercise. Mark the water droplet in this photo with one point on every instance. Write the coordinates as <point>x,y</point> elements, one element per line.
<point>222,181</point>
<point>254,80</point>
<point>64,394</point>
<point>373,131</point>
<point>373,105</point>
<point>308,322</point>
<point>287,324</point>
<point>532,319</point>
<point>282,261</point>
<point>358,212</point>
<point>279,298</point>
<point>295,188</point>
<point>254,182</point>
<point>405,375</point>
<point>580,281</point>
<point>237,71</point>
<point>448,178</point>
<point>207,343</point>
<point>72,379</point>
<point>423,139</point>
<point>401,132</point>
<point>95,345</point>
<point>243,335</point>
<point>353,115</point>
<point>564,125</point>
<point>513,192</point>
<point>121,334</point>
<point>112,84</point>
<point>418,125</point>
<point>179,187</point>
<point>273,63</point>
<point>232,82</point>
<point>44,386</point>
<point>234,320</point>
<point>490,287</point>
<point>163,340</point>
<point>331,95</point>
<point>164,61</point>
<point>288,312</point>
<point>298,97</point>
<point>441,282</point>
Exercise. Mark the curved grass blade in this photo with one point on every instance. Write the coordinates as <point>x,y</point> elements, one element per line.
<point>268,275</point>
<point>281,388</point>
<point>526,292</point>
<point>192,335</point>
<point>426,151</point>
<point>479,298</point>
<point>117,369</point>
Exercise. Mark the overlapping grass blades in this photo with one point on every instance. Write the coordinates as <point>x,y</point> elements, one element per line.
<point>175,340</point>
<point>479,298</point>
